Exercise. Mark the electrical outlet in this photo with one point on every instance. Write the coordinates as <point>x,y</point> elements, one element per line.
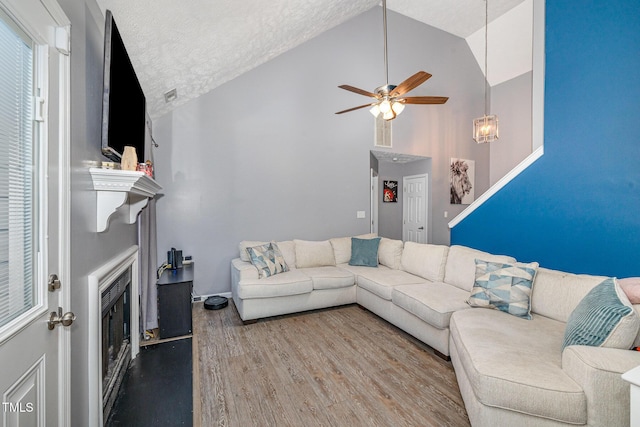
<point>360,214</point>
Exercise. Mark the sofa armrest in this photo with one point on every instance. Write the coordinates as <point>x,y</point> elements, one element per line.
<point>241,270</point>
<point>244,270</point>
<point>598,371</point>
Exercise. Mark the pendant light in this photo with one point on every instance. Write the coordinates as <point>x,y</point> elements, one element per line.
<point>485,128</point>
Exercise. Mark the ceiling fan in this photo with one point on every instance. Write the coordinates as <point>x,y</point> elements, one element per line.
<point>389,100</point>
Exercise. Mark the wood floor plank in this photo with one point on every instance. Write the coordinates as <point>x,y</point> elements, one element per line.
<point>335,367</point>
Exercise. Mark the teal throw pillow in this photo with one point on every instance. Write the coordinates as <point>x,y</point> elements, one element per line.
<point>267,259</point>
<point>504,287</point>
<point>364,252</point>
<point>604,318</point>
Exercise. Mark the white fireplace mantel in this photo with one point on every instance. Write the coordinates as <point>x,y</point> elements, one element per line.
<point>124,191</point>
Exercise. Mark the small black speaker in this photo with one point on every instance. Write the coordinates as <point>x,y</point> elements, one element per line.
<point>177,258</point>
<point>215,303</point>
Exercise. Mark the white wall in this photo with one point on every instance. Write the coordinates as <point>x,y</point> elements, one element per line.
<point>265,157</point>
<point>510,44</point>
<point>511,101</point>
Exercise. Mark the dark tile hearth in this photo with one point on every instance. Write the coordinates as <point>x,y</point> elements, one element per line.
<point>157,389</point>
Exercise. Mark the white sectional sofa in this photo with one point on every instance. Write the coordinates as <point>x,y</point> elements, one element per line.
<point>511,371</point>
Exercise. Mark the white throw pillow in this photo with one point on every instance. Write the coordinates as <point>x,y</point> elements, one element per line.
<point>288,250</point>
<point>314,253</point>
<point>425,260</point>
<point>341,249</point>
<point>390,253</point>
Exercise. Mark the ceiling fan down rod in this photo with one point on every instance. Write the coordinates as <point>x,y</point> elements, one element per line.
<point>384,24</point>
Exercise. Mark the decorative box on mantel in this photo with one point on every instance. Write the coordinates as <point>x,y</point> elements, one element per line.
<point>124,191</point>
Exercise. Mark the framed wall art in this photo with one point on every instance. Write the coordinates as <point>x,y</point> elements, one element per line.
<point>461,181</point>
<point>390,191</point>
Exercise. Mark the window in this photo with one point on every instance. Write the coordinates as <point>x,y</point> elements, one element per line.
<point>17,173</point>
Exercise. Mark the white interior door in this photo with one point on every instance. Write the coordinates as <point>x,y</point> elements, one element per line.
<point>414,208</point>
<point>34,217</point>
<point>374,202</point>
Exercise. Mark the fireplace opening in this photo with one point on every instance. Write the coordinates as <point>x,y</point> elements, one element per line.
<point>116,337</point>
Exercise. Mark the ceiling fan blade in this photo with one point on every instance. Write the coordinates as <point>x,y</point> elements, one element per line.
<point>425,99</point>
<point>358,91</point>
<point>355,108</point>
<point>411,83</point>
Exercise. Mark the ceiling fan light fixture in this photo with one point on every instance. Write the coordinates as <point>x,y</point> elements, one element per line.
<point>385,106</point>
<point>397,107</point>
<point>389,115</point>
<point>375,110</point>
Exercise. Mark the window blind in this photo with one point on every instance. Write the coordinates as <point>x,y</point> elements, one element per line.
<point>17,199</point>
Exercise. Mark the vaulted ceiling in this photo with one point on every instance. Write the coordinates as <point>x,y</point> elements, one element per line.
<point>196,45</point>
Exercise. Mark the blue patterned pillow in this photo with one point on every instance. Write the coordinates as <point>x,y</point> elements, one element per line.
<point>364,252</point>
<point>604,318</point>
<point>267,259</point>
<point>505,287</point>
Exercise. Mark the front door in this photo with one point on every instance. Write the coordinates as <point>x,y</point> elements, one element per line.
<point>34,186</point>
<point>414,208</point>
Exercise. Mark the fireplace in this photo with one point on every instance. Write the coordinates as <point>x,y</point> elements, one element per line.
<point>114,336</point>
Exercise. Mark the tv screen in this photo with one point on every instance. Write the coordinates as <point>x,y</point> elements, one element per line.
<point>123,101</point>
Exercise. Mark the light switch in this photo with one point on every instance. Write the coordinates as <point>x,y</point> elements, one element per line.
<point>360,214</point>
<point>446,214</point>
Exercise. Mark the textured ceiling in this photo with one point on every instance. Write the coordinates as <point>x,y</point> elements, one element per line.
<point>196,45</point>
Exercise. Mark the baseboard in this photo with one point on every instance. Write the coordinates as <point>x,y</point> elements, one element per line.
<point>197,298</point>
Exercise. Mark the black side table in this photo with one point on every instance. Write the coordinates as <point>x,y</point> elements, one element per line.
<point>174,302</point>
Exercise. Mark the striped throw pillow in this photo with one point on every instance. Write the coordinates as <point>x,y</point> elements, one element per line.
<point>604,318</point>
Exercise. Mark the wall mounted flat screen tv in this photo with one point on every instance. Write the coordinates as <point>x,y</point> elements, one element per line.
<point>123,101</point>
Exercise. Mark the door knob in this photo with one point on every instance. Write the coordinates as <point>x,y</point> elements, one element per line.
<point>59,318</point>
<point>420,228</point>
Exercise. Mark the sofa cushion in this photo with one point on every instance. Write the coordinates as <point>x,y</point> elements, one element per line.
<point>364,252</point>
<point>460,269</point>
<point>242,248</point>
<point>433,302</point>
<point>314,253</point>
<point>631,287</point>
<point>341,249</point>
<point>381,281</point>
<point>604,318</point>
<point>390,253</point>
<point>329,277</point>
<point>505,287</point>
<point>556,293</point>
<point>267,259</point>
<point>515,364</point>
<point>288,250</point>
<point>425,260</point>
<point>292,282</point>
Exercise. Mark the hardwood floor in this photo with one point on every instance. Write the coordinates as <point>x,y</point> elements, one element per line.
<point>336,367</point>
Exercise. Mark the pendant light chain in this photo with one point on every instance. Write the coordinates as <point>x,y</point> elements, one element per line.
<point>486,54</point>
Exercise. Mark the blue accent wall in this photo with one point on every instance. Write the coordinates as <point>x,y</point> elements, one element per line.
<point>577,208</point>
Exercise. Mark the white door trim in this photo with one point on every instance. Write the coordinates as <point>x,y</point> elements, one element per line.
<point>38,21</point>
